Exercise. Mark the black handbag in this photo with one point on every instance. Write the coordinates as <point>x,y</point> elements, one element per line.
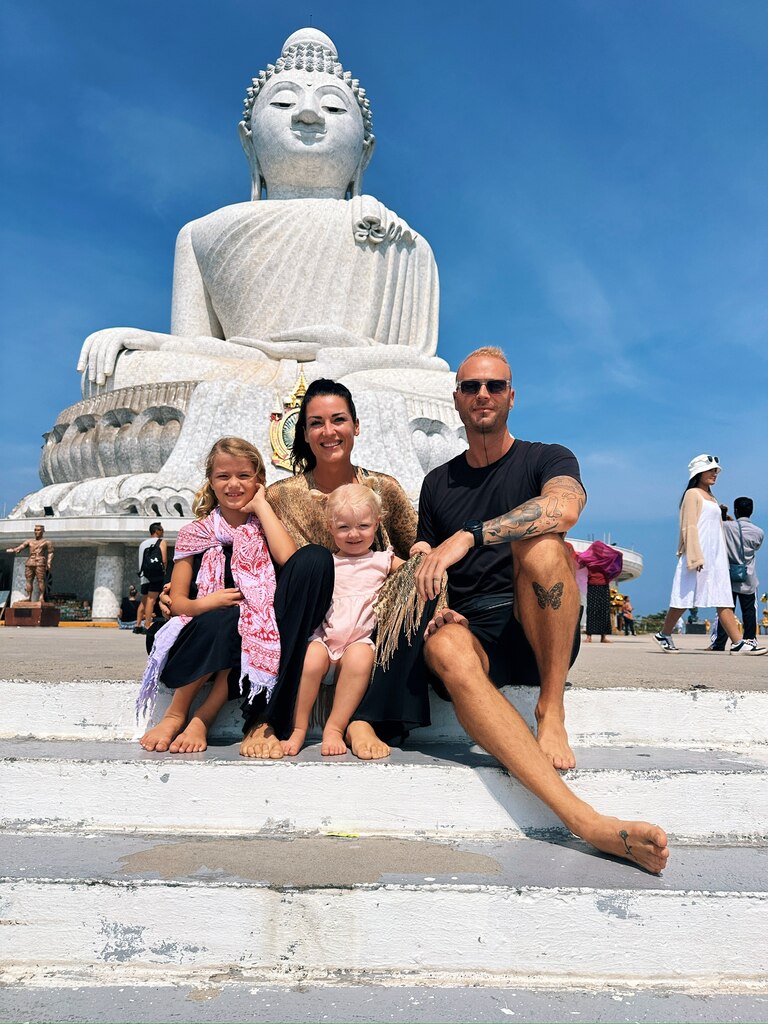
<point>738,570</point>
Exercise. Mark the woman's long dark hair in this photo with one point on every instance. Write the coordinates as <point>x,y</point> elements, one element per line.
<point>302,458</point>
<point>693,482</point>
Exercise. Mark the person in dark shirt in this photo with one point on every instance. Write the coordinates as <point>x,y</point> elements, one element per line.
<point>129,606</point>
<point>494,519</point>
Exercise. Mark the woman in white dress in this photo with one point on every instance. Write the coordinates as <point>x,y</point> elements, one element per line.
<point>702,579</point>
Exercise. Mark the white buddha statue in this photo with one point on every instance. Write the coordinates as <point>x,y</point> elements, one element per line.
<point>310,270</point>
<point>310,275</point>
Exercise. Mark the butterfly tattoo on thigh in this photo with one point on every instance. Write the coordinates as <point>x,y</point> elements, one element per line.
<point>551,597</point>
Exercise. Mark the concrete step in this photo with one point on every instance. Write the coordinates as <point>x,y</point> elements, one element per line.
<point>103,709</point>
<point>221,1000</point>
<point>143,907</point>
<point>441,790</point>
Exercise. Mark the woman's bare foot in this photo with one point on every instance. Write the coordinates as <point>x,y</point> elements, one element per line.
<point>587,639</point>
<point>333,741</point>
<point>365,743</point>
<point>294,743</point>
<point>194,738</point>
<point>604,640</point>
<point>261,742</point>
<point>160,736</point>
<point>553,740</point>
<point>636,841</point>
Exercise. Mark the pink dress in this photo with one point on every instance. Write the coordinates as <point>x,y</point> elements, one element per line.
<point>350,619</point>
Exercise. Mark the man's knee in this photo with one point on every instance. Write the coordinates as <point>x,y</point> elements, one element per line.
<point>539,552</point>
<point>451,651</point>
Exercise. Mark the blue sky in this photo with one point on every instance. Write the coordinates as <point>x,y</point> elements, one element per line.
<point>591,175</point>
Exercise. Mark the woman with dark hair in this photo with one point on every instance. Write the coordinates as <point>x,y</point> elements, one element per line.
<point>397,698</point>
<point>702,579</point>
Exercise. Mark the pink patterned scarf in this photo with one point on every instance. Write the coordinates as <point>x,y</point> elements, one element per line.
<point>254,575</point>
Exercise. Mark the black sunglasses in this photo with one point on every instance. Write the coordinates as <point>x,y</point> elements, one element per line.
<point>472,387</point>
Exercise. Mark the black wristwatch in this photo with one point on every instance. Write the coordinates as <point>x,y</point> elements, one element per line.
<point>475,527</point>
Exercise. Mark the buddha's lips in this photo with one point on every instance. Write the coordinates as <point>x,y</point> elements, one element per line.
<point>308,134</point>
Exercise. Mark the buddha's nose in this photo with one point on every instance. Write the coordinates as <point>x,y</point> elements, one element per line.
<point>308,113</point>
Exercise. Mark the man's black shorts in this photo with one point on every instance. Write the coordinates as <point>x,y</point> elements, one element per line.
<point>512,661</point>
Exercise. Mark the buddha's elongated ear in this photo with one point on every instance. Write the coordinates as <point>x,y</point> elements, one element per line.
<point>356,185</point>
<point>246,141</point>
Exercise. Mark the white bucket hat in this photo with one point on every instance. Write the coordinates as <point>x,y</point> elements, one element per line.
<point>701,464</point>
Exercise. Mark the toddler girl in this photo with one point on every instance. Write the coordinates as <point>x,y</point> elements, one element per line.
<point>228,631</point>
<point>353,514</point>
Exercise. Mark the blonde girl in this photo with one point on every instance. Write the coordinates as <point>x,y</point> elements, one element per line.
<point>227,631</point>
<point>353,513</point>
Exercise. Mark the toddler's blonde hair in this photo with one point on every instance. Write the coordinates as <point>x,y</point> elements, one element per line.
<point>354,497</point>
<point>205,501</point>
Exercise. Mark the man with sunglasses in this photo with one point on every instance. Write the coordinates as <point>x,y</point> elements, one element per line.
<point>494,518</point>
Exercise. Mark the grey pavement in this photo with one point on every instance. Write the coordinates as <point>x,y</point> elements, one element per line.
<point>90,653</point>
<point>244,1001</point>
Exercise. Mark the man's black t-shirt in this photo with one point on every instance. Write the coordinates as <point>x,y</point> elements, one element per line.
<point>128,609</point>
<point>455,492</point>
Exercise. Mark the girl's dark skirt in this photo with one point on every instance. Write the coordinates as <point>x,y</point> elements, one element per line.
<point>207,644</point>
<point>598,609</point>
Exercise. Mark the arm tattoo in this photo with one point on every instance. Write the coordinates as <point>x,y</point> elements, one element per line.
<point>561,496</point>
<point>552,597</point>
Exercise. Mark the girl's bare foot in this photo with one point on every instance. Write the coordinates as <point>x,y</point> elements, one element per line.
<point>160,736</point>
<point>194,738</point>
<point>636,841</point>
<point>365,743</point>
<point>333,741</point>
<point>261,742</point>
<point>294,743</point>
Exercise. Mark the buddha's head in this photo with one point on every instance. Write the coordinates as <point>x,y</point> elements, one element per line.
<point>306,127</point>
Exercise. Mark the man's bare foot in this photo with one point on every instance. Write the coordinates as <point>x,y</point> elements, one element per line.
<point>553,740</point>
<point>194,738</point>
<point>294,743</point>
<point>587,639</point>
<point>365,743</point>
<point>604,640</point>
<point>261,742</point>
<point>636,841</point>
<point>160,736</point>
<point>333,741</point>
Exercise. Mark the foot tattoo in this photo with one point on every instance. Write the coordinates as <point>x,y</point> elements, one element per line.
<point>625,836</point>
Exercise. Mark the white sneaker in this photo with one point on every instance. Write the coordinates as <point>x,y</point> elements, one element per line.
<point>748,647</point>
<point>666,643</point>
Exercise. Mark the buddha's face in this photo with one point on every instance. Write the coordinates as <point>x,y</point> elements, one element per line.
<point>307,134</point>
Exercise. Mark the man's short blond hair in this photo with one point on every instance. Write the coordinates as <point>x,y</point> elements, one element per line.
<point>489,351</point>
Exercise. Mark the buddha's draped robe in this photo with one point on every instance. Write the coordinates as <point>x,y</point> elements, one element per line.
<point>259,268</point>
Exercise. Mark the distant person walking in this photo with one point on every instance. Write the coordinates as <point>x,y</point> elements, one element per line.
<point>742,540</point>
<point>153,563</point>
<point>702,579</point>
<point>603,564</point>
<point>628,614</point>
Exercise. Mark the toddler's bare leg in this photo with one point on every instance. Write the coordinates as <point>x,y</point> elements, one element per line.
<point>160,736</point>
<point>316,664</point>
<point>195,735</point>
<point>354,676</point>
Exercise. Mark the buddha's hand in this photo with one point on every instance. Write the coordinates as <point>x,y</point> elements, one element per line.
<point>100,350</point>
<point>373,222</point>
<point>303,343</point>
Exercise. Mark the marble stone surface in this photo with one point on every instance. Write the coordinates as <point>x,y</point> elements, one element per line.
<point>107,582</point>
<point>312,273</point>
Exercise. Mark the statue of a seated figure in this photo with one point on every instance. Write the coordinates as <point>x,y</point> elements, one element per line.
<point>309,274</point>
<point>310,270</point>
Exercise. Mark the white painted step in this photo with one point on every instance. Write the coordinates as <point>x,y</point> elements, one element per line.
<point>431,912</point>
<point>441,790</point>
<point>220,1001</point>
<point>104,710</point>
